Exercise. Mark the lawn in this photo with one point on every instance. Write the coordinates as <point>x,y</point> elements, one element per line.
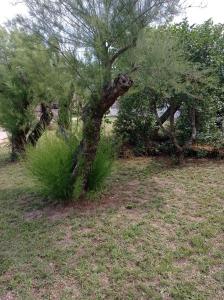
<point>157,232</point>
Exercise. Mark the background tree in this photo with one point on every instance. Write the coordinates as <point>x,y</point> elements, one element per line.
<point>174,88</point>
<point>163,71</point>
<point>203,45</point>
<point>16,96</point>
<point>29,75</point>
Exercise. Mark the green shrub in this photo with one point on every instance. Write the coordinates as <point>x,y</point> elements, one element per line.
<point>102,164</point>
<point>50,164</point>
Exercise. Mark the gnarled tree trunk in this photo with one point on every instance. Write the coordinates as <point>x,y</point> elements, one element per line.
<point>92,119</point>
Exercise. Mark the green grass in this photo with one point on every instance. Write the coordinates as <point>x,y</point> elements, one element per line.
<point>156,233</point>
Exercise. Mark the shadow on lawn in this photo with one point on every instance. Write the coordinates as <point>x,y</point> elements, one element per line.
<point>126,188</point>
<point>31,205</point>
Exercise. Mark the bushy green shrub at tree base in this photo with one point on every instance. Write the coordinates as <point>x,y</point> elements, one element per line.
<point>49,163</point>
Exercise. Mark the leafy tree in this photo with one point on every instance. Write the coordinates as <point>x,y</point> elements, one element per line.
<point>171,84</point>
<point>21,88</point>
<point>32,74</point>
<point>180,68</point>
<point>93,35</point>
<point>203,45</point>
<point>163,71</point>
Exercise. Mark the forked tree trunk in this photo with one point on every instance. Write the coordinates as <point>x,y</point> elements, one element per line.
<point>155,136</point>
<point>45,120</point>
<point>19,140</point>
<point>92,119</point>
<point>179,149</point>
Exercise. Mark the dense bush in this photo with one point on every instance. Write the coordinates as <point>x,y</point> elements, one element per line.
<point>135,122</point>
<point>136,127</point>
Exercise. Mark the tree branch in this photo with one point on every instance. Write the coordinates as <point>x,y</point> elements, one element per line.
<point>122,50</point>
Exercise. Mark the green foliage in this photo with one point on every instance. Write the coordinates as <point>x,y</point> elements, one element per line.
<point>162,69</point>
<point>50,164</point>
<point>97,29</point>
<point>102,164</point>
<point>162,61</point>
<point>30,73</point>
<point>176,69</point>
<point>182,70</point>
<point>15,93</point>
<point>135,121</point>
<point>203,45</point>
<point>15,101</point>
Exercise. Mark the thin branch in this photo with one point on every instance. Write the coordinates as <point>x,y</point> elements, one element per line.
<point>122,50</point>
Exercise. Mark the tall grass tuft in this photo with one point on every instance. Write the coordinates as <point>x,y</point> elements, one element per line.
<point>50,164</point>
<point>102,164</point>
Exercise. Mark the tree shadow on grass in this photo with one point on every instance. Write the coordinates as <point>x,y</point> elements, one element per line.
<point>126,188</point>
<point>31,205</point>
<point>123,190</point>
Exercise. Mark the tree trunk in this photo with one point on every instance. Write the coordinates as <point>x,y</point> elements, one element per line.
<point>45,120</point>
<point>91,137</point>
<point>92,118</point>
<point>18,143</point>
<point>179,156</point>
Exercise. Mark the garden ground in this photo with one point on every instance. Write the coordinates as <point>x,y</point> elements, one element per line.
<point>157,232</point>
